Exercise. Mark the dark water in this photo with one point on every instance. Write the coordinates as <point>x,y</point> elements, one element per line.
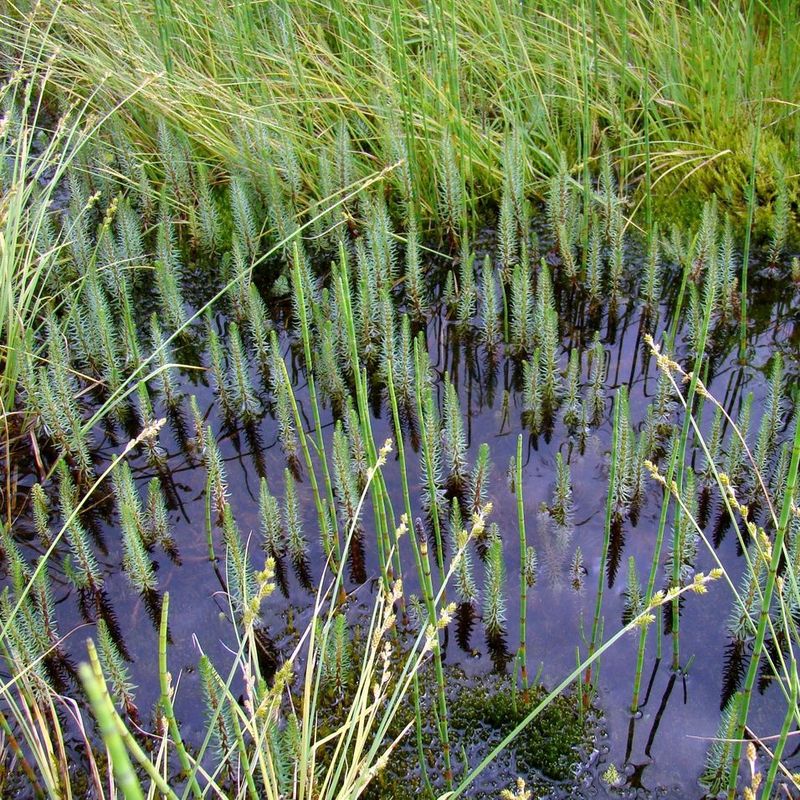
<point>662,750</point>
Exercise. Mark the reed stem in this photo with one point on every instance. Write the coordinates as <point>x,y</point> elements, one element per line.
<point>522,655</point>
<point>751,207</point>
<point>166,698</point>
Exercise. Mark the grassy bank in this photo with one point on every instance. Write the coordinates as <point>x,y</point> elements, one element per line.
<point>674,89</point>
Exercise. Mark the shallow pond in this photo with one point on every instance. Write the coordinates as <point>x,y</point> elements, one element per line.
<point>661,750</point>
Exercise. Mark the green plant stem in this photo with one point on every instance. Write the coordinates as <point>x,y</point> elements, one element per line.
<point>522,655</point>
<point>751,206</point>
<point>209,526</point>
<point>166,697</point>
<point>111,720</point>
<point>124,774</point>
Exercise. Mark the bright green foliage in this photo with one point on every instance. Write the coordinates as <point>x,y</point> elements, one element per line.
<point>467,291</point>
<point>84,570</point>
<point>718,758</point>
<point>508,237</point>
<point>780,216</point>
<point>135,558</point>
<point>218,371</point>
<point>239,573</point>
<point>562,504</point>
<point>466,589</point>
<point>296,545</point>
<point>259,326</point>
<point>491,333</point>
<point>532,391</point>
<point>242,393</point>
<point>217,479</point>
<point>283,405</point>
<point>596,401</point>
<point>522,324</point>
<point>114,667</point>
<point>735,457</point>
<point>450,188</point>
<point>337,662</point>
<point>771,420</point>
<point>651,285</point>
<point>454,440</point>
<point>494,601</point>
<point>272,535</point>
<point>531,571</point>
<point>594,262</point>
<point>41,514</point>
<point>415,289</point>
<point>218,711</point>
<point>164,360</point>
<point>633,595</point>
<point>479,481</point>
<point>167,271</point>
<point>562,212</point>
<point>245,226</point>
<point>572,395</point>
<point>625,483</point>
<point>158,525</point>
<point>345,476</point>
<point>208,226</point>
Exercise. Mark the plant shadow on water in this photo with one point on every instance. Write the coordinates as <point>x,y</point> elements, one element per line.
<point>662,747</point>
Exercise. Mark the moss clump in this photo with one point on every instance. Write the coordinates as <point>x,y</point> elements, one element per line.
<point>547,746</point>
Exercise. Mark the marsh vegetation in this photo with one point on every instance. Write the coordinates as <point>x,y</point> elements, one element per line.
<point>399,399</point>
